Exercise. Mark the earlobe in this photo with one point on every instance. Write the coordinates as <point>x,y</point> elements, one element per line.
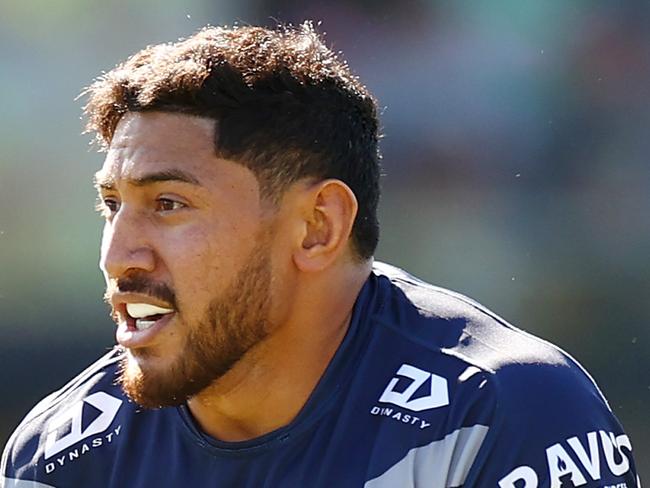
<point>330,210</point>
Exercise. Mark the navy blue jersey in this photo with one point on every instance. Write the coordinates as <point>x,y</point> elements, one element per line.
<point>428,389</point>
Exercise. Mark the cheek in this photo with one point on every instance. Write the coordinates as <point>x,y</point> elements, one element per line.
<point>200,262</point>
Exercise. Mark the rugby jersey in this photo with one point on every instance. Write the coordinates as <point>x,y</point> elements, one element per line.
<point>427,389</point>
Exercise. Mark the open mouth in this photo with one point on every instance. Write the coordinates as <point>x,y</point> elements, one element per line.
<point>144,315</point>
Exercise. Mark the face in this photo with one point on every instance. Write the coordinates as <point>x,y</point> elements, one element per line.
<point>186,254</point>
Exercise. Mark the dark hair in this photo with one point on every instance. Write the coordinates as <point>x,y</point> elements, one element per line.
<point>286,107</point>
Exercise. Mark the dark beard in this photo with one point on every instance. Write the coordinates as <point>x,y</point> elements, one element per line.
<point>233,324</point>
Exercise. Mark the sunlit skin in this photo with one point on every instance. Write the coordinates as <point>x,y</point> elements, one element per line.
<point>180,216</point>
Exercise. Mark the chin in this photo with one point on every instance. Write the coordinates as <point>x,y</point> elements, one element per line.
<point>152,382</point>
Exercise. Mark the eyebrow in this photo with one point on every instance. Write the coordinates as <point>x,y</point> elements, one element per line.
<point>105,182</point>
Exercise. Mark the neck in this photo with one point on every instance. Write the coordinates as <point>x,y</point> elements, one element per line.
<point>267,388</point>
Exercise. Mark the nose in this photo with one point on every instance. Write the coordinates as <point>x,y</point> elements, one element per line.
<point>125,246</point>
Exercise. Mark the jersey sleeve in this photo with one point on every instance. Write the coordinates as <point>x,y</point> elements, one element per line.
<point>19,457</point>
<point>551,428</point>
<point>58,420</point>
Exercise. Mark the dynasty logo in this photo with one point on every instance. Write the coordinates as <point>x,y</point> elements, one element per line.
<point>436,395</point>
<point>67,429</point>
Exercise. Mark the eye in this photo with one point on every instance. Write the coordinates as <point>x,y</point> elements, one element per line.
<point>107,206</point>
<point>168,205</point>
<point>112,204</point>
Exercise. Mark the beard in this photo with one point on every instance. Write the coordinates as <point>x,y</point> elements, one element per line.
<point>233,323</point>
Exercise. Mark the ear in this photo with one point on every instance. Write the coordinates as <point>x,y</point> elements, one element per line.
<point>329,210</point>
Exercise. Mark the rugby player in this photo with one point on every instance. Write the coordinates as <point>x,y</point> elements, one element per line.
<point>259,345</point>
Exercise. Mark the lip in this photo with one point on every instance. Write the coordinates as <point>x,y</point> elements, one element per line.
<point>127,335</point>
<point>119,301</point>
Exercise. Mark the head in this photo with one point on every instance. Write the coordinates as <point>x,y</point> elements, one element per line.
<point>216,146</point>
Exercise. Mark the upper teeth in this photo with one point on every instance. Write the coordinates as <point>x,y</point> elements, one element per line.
<point>141,310</point>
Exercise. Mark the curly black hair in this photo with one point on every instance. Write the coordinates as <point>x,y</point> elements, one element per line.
<point>285,106</point>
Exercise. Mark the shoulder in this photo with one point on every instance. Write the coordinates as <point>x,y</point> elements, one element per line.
<point>535,404</point>
<point>52,425</point>
<point>449,324</point>
<point>100,372</point>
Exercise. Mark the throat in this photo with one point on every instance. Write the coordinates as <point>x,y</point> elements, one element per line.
<point>267,389</point>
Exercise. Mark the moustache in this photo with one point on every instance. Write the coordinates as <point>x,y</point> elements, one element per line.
<point>143,285</point>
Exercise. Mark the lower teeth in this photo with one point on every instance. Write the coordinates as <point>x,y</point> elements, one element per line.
<point>144,324</point>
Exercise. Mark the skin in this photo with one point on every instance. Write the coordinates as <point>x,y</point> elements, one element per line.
<point>198,238</point>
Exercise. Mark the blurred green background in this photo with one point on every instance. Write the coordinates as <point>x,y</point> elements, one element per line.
<point>515,159</point>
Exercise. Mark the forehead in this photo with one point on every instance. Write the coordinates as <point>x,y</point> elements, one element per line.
<point>144,140</point>
<point>151,147</point>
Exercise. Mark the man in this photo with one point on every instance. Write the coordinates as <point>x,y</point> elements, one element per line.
<point>258,343</point>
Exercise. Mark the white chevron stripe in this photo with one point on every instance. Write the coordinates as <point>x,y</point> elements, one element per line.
<point>443,463</point>
<point>14,483</point>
